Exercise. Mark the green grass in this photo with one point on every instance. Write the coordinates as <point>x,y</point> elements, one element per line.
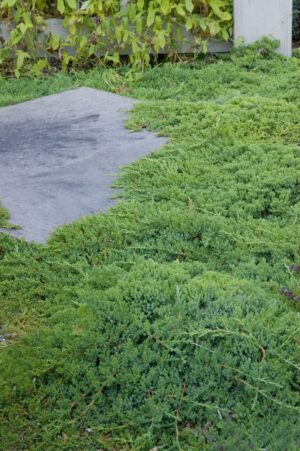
<point>161,323</point>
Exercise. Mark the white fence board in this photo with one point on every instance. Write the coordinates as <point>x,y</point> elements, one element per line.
<point>254,19</point>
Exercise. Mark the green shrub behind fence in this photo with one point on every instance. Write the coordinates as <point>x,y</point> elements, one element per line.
<point>99,29</point>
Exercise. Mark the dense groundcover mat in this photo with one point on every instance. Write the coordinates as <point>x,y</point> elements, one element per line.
<point>172,321</point>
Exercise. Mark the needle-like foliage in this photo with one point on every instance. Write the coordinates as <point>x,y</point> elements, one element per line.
<point>166,322</point>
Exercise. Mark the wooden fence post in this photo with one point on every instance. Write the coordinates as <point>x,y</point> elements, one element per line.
<point>254,19</point>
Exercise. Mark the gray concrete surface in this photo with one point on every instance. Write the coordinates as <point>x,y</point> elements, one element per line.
<point>59,154</point>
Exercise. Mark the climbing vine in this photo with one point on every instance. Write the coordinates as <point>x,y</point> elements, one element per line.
<point>96,30</point>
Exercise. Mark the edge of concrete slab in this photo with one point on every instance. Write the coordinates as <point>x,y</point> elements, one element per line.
<point>125,148</point>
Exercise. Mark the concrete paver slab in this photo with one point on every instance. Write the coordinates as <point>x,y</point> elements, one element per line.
<point>58,155</point>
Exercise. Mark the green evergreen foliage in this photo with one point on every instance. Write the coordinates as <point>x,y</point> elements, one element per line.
<point>3,216</point>
<point>161,323</point>
<point>4,219</point>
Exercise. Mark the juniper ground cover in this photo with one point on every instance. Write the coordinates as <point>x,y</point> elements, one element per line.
<point>170,321</point>
<point>3,216</point>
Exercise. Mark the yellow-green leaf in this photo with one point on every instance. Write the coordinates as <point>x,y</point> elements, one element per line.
<point>118,33</point>
<point>139,26</point>
<point>189,23</point>
<point>21,58</point>
<point>54,41</point>
<point>92,49</point>
<point>140,4</point>
<point>214,28</point>
<point>72,4</point>
<point>15,36</point>
<point>72,28</point>
<point>165,7</point>
<point>22,27</point>
<point>27,20</point>
<point>180,10</point>
<point>82,42</point>
<point>84,5</point>
<point>132,12</point>
<point>61,6</point>
<point>150,17</point>
<point>189,5</point>
<point>225,15</point>
<point>9,3</point>
<point>39,66</point>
